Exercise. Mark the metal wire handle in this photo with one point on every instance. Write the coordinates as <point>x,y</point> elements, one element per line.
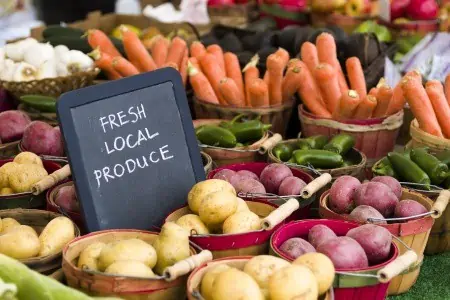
<point>429,213</point>
<point>267,196</point>
<point>420,185</point>
<point>306,167</point>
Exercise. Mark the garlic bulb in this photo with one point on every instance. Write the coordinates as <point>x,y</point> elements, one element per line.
<point>24,72</point>
<point>77,61</point>
<point>37,54</point>
<point>2,57</point>
<point>60,50</point>
<point>7,71</point>
<point>47,70</point>
<point>61,69</point>
<point>16,51</point>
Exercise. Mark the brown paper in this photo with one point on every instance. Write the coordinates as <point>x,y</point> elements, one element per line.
<point>440,204</point>
<point>50,180</point>
<point>270,142</point>
<point>399,265</point>
<point>185,266</point>
<point>280,214</point>
<point>315,185</point>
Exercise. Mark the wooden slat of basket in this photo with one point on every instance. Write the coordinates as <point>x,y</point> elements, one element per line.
<point>9,149</point>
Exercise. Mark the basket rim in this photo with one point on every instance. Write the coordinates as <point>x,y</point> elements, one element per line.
<point>50,194</point>
<point>42,156</point>
<point>419,135</point>
<point>92,72</point>
<point>9,144</point>
<point>268,109</point>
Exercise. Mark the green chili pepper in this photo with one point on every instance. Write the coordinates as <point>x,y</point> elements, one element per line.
<point>239,145</point>
<point>408,170</point>
<point>318,158</point>
<point>216,136</point>
<point>248,131</point>
<point>41,103</point>
<point>302,144</point>
<point>313,142</point>
<point>435,169</point>
<point>384,168</point>
<point>444,157</point>
<point>283,151</point>
<point>340,144</point>
<point>292,160</point>
<point>407,153</point>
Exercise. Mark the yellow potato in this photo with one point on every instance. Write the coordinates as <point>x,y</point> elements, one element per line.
<point>19,245</point>
<point>1,225</point>
<point>56,235</point>
<point>235,284</point>
<point>131,249</point>
<point>89,256</point>
<point>203,188</point>
<point>24,176</point>
<point>243,221</point>
<point>132,268</point>
<point>293,282</point>
<point>5,171</point>
<point>28,158</point>
<point>241,205</point>
<point>261,267</point>
<point>192,224</point>
<point>217,207</point>
<point>322,268</point>
<point>6,191</point>
<point>8,223</point>
<point>207,285</point>
<point>24,228</point>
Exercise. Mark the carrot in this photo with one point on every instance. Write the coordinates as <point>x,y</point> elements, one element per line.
<point>201,86</point>
<point>326,51</point>
<point>136,52</point>
<point>348,102</point>
<point>291,80</point>
<point>213,72</point>
<point>284,55</point>
<point>275,67</point>
<point>104,62</point>
<point>415,74</point>
<point>258,93</point>
<point>435,92</point>
<point>266,77</point>
<point>384,97</point>
<point>217,51</point>
<point>159,50</point>
<point>233,70</point>
<point>183,67</point>
<point>124,67</point>
<point>326,77</point>
<point>230,92</point>
<point>365,108</point>
<point>197,49</point>
<point>310,94</point>
<point>176,51</point>
<point>251,73</point>
<point>355,75</point>
<point>420,105</point>
<point>170,65</point>
<point>398,99</point>
<point>447,88</point>
<point>98,39</point>
<point>195,62</point>
<point>309,56</point>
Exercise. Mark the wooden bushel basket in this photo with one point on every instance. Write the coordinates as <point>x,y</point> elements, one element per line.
<point>207,162</point>
<point>37,219</point>
<point>9,149</point>
<point>348,285</point>
<point>278,116</point>
<point>195,278</point>
<point>414,233</point>
<point>420,138</point>
<point>170,286</point>
<point>374,137</point>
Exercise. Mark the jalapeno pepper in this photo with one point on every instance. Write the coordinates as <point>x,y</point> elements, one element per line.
<point>283,151</point>
<point>216,136</point>
<point>444,157</point>
<point>340,144</point>
<point>318,158</point>
<point>384,168</point>
<point>249,131</point>
<point>435,169</point>
<point>408,170</point>
<point>407,153</point>
<point>292,160</point>
<point>302,144</point>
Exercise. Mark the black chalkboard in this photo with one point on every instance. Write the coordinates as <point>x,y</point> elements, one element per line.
<point>132,149</point>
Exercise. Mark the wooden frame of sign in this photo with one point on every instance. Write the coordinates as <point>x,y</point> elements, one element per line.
<point>132,149</point>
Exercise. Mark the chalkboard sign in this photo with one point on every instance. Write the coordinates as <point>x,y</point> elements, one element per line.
<point>132,149</point>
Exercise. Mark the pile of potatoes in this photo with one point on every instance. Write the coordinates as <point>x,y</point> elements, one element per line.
<point>269,277</point>
<point>216,209</point>
<point>22,241</point>
<point>379,198</point>
<point>19,175</point>
<point>135,257</point>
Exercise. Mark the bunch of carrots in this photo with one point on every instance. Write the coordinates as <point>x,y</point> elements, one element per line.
<point>216,77</point>
<point>158,53</point>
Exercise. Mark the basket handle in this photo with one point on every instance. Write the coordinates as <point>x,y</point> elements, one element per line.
<point>315,185</point>
<point>440,204</point>
<point>400,264</point>
<point>187,265</point>
<point>280,214</point>
<point>50,180</point>
<point>270,142</point>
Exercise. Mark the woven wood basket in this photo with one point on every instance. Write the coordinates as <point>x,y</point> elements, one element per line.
<point>37,219</point>
<point>413,233</point>
<point>278,116</point>
<point>420,138</point>
<point>195,279</point>
<point>53,87</point>
<point>9,149</point>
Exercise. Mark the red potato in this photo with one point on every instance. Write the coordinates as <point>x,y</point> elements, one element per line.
<point>361,213</point>
<point>319,234</point>
<point>43,139</point>
<point>375,240</point>
<point>12,125</point>
<point>272,176</point>
<point>378,195</point>
<point>345,253</point>
<point>225,174</point>
<point>247,174</point>
<point>390,182</point>
<point>342,193</point>
<point>295,247</point>
<point>249,185</point>
<point>66,198</point>
<point>291,185</point>
<point>409,208</point>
